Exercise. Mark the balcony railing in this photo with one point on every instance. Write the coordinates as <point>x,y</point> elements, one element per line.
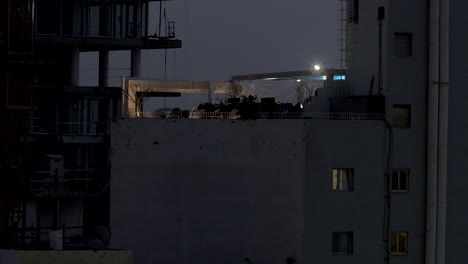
<point>72,182</point>
<point>265,115</point>
<point>69,128</point>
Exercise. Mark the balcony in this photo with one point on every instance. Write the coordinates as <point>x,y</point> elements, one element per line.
<point>72,183</point>
<point>113,25</point>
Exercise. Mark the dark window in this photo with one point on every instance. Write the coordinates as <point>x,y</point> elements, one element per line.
<point>401,115</point>
<point>399,243</point>
<point>342,243</point>
<point>400,180</point>
<point>403,44</point>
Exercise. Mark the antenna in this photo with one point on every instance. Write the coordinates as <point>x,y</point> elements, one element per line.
<point>380,17</point>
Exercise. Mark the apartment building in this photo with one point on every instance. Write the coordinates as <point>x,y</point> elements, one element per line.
<point>370,172</point>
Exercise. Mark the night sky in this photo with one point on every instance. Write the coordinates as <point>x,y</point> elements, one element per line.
<point>225,38</point>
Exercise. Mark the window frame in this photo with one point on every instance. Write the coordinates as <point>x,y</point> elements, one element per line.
<point>399,190</point>
<point>350,240</point>
<point>409,38</point>
<point>398,253</point>
<point>401,106</point>
<point>340,179</point>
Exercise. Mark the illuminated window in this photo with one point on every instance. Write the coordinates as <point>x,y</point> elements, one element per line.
<point>401,115</point>
<point>399,243</point>
<point>342,243</point>
<point>400,180</point>
<point>403,44</point>
<point>343,179</point>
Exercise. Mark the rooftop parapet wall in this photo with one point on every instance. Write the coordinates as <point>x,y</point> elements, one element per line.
<point>66,257</point>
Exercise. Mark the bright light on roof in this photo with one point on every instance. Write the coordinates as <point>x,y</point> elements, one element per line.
<point>317,67</point>
<point>298,80</point>
<point>270,79</point>
<point>339,77</point>
<point>324,77</point>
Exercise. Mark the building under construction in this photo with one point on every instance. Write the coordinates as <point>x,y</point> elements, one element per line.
<point>54,133</point>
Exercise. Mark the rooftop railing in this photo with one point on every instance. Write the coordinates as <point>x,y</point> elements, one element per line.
<point>265,115</point>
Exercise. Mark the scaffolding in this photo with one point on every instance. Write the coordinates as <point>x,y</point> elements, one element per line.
<point>16,106</point>
<point>348,18</point>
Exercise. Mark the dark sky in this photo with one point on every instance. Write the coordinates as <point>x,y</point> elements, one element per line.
<point>225,38</point>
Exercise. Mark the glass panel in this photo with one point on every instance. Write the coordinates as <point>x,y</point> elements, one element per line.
<point>402,243</point>
<point>124,21</point>
<point>350,242</point>
<point>402,44</point>
<point>394,242</point>
<point>94,21</point>
<point>403,181</point>
<point>349,180</point>
<point>48,17</point>
<point>336,181</point>
<point>67,18</point>
<point>144,21</point>
<point>130,21</point>
<point>401,115</point>
<point>336,242</point>
<point>395,186</point>
<point>117,21</point>
<point>105,21</point>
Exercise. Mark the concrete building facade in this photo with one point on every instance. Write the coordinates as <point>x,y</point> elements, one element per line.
<point>222,190</point>
<point>406,201</point>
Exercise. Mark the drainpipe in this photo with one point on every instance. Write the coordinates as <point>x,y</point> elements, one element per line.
<point>438,99</point>
<point>443,130</point>
<point>432,131</point>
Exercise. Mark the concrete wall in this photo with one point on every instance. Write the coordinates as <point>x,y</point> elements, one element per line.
<point>192,191</point>
<point>344,144</point>
<point>65,257</point>
<point>457,212</point>
<point>404,82</point>
<point>208,191</point>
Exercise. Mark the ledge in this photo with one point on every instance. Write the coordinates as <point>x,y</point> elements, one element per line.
<point>96,43</point>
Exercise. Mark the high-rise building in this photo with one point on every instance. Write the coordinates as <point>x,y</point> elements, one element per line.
<point>55,158</point>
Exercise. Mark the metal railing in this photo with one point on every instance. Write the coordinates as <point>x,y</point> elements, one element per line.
<point>266,115</point>
<point>77,181</point>
<point>214,115</point>
<point>321,115</point>
<point>69,128</point>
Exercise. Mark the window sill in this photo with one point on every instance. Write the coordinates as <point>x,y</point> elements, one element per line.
<point>399,254</point>
<point>342,254</point>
